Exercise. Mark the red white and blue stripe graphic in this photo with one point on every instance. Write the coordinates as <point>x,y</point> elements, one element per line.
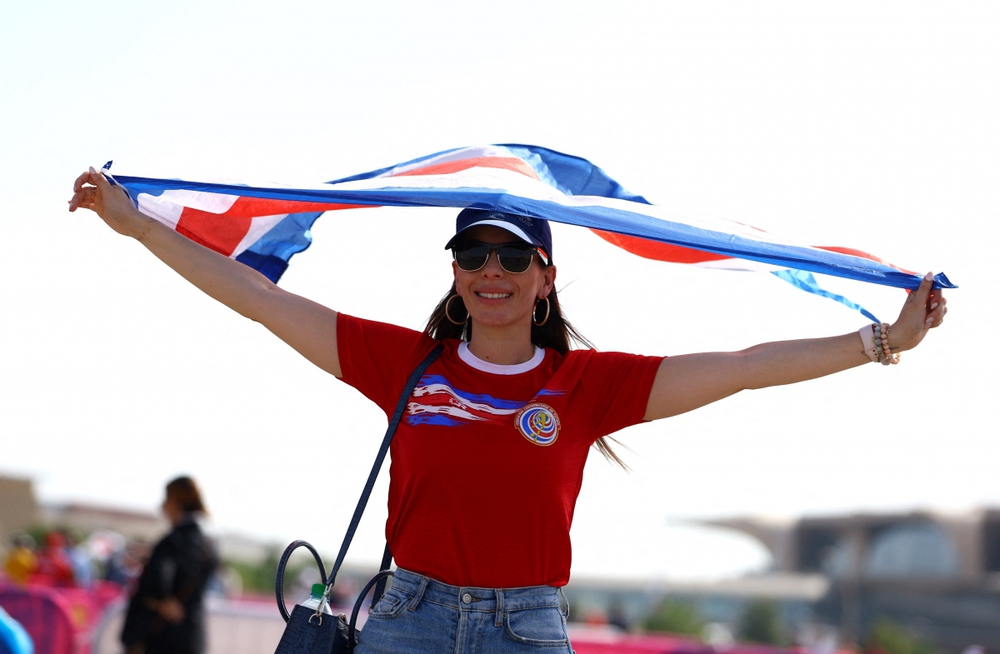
<point>264,225</point>
<point>437,402</point>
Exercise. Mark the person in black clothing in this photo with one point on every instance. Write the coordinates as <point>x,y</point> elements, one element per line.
<point>166,614</point>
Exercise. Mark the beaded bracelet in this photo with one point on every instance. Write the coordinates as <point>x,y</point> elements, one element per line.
<point>875,341</point>
<point>882,341</point>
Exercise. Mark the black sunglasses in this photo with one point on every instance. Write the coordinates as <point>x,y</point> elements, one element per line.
<point>514,258</point>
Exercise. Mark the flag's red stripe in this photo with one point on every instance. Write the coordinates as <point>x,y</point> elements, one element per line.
<point>219,232</point>
<point>222,232</point>
<point>659,251</point>
<point>678,254</point>
<point>506,163</point>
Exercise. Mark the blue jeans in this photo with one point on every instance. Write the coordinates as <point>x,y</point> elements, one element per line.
<point>418,615</point>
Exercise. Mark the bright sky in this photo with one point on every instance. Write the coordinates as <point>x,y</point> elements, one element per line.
<point>869,125</point>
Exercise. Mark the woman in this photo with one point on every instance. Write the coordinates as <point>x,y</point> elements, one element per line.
<point>165,613</point>
<point>488,461</point>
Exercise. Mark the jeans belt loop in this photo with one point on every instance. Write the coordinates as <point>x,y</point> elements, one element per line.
<point>498,622</point>
<point>419,595</point>
<point>563,598</point>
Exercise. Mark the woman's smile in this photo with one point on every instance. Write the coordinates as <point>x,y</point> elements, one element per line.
<point>493,296</point>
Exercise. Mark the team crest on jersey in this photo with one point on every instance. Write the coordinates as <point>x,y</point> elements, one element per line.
<point>538,423</point>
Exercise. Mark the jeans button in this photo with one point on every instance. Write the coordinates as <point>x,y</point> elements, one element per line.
<point>467,598</point>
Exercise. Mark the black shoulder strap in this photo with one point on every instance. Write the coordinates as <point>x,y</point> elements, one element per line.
<point>384,578</point>
<point>400,408</point>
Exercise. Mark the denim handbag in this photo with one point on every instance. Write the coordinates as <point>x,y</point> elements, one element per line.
<point>310,631</point>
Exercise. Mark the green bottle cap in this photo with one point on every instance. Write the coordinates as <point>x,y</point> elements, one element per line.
<point>318,590</point>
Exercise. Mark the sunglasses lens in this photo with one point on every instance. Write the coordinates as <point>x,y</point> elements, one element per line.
<point>515,259</point>
<point>472,258</point>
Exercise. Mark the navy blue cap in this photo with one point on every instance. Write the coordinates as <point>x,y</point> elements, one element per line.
<point>530,230</point>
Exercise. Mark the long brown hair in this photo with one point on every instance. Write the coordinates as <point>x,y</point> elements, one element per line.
<point>557,333</point>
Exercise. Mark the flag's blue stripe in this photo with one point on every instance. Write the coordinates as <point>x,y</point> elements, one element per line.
<point>572,175</point>
<point>805,281</point>
<point>270,266</point>
<point>271,253</point>
<point>597,217</point>
<point>291,236</point>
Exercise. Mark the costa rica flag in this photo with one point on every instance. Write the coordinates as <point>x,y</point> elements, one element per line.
<point>263,226</point>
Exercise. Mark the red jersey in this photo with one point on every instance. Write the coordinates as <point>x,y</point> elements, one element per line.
<point>487,460</point>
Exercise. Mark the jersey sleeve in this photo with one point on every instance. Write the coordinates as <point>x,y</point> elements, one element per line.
<point>377,358</point>
<point>616,386</point>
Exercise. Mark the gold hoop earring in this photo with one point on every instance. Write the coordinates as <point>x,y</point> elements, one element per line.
<point>534,312</point>
<point>447,311</point>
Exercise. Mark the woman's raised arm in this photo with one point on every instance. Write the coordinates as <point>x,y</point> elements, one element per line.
<point>310,328</point>
<point>690,381</point>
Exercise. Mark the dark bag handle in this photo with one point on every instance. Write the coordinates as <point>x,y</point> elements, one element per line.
<point>379,582</point>
<point>380,586</point>
<point>279,581</point>
<point>363,501</point>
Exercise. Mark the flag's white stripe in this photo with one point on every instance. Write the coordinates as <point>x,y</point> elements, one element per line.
<point>200,200</point>
<point>163,210</point>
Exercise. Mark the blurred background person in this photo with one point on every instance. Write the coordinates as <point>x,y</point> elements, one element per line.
<point>80,560</point>
<point>54,566</point>
<point>166,614</point>
<point>125,564</point>
<point>21,561</point>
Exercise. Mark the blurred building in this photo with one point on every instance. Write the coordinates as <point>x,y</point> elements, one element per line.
<point>720,603</point>
<point>21,511</point>
<point>936,574</point>
<point>145,526</point>
<point>18,507</point>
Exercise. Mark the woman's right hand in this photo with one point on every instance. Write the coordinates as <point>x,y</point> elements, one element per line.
<point>91,190</point>
<point>310,328</point>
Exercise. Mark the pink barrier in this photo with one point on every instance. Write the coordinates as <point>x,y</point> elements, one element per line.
<point>621,643</point>
<point>64,620</point>
<point>608,642</point>
<point>59,619</point>
<point>750,648</point>
<point>46,615</point>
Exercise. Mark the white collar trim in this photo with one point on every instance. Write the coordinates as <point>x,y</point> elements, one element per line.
<point>466,355</point>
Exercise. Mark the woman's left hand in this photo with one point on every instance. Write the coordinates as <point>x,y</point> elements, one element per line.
<point>170,609</point>
<point>924,309</point>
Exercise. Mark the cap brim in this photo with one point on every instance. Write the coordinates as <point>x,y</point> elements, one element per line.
<point>508,227</point>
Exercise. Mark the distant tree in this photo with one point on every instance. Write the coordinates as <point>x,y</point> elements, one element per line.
<point>676,617</point>
<point>891,638</point>
<point>760,623</point>
<point>258,577</point>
